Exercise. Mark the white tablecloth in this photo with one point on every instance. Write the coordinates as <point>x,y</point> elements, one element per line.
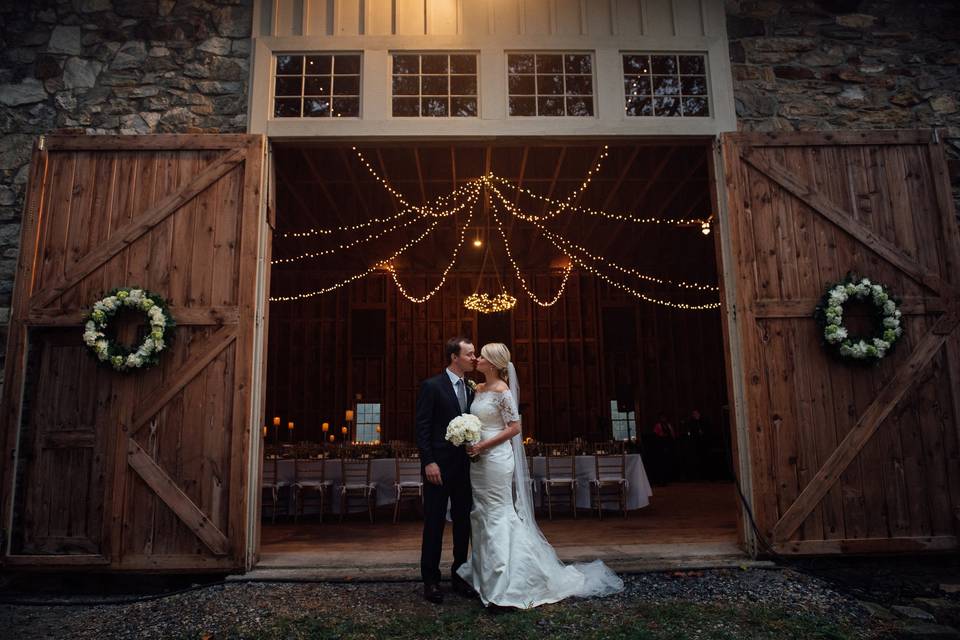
<point>383,472</point>
<point>638,491</point>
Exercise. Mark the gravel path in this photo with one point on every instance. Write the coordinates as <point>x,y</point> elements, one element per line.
<point>244,609</point>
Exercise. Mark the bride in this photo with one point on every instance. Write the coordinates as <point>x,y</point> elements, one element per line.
<point>511,563</point>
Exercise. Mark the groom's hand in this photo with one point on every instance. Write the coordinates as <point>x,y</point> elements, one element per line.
<point>432,471</point>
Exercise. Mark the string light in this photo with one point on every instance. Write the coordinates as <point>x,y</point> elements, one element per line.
<point>705,228</point>
<point>443,276</point>
<point>627,270</point>
<point>368,238</point>
<point>516,268</point>
<point>561,208</point>
<point>318,231</point>
<point>483,303</point>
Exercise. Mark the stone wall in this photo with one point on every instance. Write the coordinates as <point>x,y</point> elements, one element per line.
<point>112,66</point>
<point>848,64</point>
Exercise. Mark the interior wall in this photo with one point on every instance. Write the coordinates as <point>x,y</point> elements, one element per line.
<point>567,376</point>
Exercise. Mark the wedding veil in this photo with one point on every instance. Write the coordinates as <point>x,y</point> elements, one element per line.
<point>598,578</point>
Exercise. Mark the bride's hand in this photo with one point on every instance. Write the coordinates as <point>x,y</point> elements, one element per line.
<point>473,450</point>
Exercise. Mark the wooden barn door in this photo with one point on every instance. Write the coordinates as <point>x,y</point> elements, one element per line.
<point>845,458</point>
<point>145,470</point>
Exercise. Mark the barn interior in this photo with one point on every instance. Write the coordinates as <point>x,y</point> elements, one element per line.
<point>607,247</point>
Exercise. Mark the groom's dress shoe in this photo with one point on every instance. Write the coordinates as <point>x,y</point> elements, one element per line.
<point>432,593</point>
<point>462,587</point>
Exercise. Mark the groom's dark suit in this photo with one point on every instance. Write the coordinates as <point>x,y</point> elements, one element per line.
<point>437,405</point>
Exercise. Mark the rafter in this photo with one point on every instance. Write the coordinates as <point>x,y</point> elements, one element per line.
<point>355,182</point>
<point>318,179</point>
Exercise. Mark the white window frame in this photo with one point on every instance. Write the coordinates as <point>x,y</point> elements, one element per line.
<point>271,112</point>
<point>536,96</point>
<point>447,52</point>
<point>706,70</point>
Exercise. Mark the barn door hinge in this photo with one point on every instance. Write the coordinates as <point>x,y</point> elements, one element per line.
<point>41,143</point>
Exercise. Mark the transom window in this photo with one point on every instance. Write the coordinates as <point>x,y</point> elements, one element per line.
<point>317,86</point>
<point>368,420</point>
<point>435,85</point>
<point>624,423</point>
<point>550,84</point>
<point>665,85</point>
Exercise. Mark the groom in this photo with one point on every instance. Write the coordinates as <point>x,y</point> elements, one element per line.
<point>445,466</point>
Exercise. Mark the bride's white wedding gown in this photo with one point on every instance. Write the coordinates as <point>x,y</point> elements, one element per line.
<point>511,564</point>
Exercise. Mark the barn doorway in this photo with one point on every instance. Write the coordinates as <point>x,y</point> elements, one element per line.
<point>615,332</point>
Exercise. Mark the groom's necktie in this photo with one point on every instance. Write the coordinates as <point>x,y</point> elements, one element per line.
<point>461,396</point>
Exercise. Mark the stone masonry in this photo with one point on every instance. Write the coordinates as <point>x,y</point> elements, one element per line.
<point>112,66</point>
<point>848,64</point>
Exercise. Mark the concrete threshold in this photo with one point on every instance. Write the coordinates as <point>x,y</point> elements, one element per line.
<point>371,565</point>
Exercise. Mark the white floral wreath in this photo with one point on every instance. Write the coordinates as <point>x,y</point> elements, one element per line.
<point>830,315</point>
<point>118,356</point>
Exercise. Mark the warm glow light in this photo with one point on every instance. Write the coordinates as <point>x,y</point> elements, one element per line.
<point>349,415</point>
<point>483,303</point>
<point>343,430</point>
<point>264,431</point>
<point>290,425</point>
<point>332,438</point>
<point>276,421</point>
<point>378,428</point>
<point>705,228</point>
<point>478,242</point>
<point>325,427</point>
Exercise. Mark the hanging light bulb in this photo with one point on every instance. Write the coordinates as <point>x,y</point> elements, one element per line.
<point>705,228</point>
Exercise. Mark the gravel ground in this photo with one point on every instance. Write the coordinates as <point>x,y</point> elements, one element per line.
<point>252,609</point>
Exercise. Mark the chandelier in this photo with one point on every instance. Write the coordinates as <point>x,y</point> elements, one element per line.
<point>483,303</point>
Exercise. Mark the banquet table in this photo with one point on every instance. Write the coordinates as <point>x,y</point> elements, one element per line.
<point>383,472</point>
<point>638,487</point>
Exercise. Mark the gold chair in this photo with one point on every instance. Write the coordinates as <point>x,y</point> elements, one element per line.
<point>409,483</point>
<point>355,478</point>
<point>310,475</point>
<point>270,482</point>
<point>611,474</point>
<point>560,477</point>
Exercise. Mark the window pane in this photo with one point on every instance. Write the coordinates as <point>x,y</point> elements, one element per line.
<point>578,63</point>
<point>695,107</point>
<point>550,85</point>
<point>318,65</point>
<point>692,65</point>
<point>664,64</point>
<point>349,65</point>
<point>580,106</point>
<point>693,85</point>
<point>640,106</point>
<point>406,107</point>
<point>463,85</point>
<point>666,85</point>
<point>580,85</point>
<point>463,64</point>
<point>463,107</point>
<point>289,86</point>
<point>287,108</point>
<point>434,107</point>
<point>434,86</point>
<point>637,86</point>
<point>549,63</point>
<point>433,64</point>
<point>346,107</point>
<point>346,85</point>
<point>522,85</point>
<point>666,106</point>
<point>520,63</point>
<point>550,106</point>
<point>406,64</point>
<point>636,64</point>
<point>287,65</point>
<point>316,86</point>
<point>316,107</point>
<point>406,85</point>
<point>523,106</point>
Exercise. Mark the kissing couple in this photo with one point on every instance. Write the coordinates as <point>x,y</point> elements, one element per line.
<point>510,564</point>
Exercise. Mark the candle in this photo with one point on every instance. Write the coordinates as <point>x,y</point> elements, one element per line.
<point>349,415</point>
<point>264,431</point>
<point>289,425</point>
<point>276,421</point>
<point>326,427</point>
<point>343,430</point>
<point>378,428</point>
<point>331,437</point>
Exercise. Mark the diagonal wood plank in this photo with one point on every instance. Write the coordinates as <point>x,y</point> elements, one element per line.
<point>179,502</point>
<point>125,236</point>
<point>845,220</point>
<point>866,426</point>
<point>206,351</point>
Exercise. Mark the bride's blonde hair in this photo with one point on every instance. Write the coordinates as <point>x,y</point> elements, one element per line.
<point>497,354</point>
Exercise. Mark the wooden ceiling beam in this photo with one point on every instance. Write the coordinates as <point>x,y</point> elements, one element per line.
<point>355,182</point>
<point>423,191</point>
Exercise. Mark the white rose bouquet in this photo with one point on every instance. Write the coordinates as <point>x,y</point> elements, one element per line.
<point>464,429</point>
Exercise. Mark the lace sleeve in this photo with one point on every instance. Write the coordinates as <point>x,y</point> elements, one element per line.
<point>508,410</point>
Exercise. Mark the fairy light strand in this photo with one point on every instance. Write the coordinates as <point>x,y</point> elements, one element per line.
<point>696,286</point>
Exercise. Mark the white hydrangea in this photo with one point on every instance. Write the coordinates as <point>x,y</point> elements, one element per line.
<point>464,429</point>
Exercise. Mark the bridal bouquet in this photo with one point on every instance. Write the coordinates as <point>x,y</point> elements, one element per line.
<point>464,429</point>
